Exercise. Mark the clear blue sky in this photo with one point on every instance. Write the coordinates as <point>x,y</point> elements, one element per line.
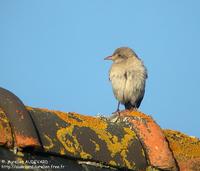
<point>51,55</point>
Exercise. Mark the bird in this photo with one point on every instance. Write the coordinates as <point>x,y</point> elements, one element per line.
<point>128,76</point>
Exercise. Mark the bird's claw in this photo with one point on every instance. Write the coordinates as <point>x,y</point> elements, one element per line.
<point>117,112</point>
<point>115,116</point>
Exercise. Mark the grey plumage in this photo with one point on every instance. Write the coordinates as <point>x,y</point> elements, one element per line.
<point>128,76</point>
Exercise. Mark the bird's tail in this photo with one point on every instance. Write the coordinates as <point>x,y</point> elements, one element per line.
<point>129,106</point>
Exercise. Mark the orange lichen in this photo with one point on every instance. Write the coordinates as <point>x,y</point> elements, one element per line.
<point>186,149</point>
<point>136,113</point>
<point>87,120</point>
<point>24,141</point>
<point>184,146</point>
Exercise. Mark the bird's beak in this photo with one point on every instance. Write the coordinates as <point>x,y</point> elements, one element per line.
<point>108,58</point>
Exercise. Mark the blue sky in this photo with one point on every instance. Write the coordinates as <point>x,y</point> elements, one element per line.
<point>51,55</point>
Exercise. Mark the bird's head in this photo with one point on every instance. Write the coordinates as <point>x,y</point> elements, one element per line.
<point>121,54</point>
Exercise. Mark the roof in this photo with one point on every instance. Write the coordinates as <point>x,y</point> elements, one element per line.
<point>68,140</point>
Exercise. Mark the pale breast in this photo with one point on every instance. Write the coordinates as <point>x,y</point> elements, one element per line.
<point>118,80</point>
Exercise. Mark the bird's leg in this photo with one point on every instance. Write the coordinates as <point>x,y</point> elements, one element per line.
<point>117,111</point>
<point>118,107</point>
<point>116,114</point>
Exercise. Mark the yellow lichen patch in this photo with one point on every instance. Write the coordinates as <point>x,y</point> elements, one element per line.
<point>97,147</point>
<point>85,155</point>
<point>51,145</point>
<point>143,153</point>
<point>124,154</point>
<point>71,146</point>
<point>127,139</point>
<point>62,151</point>
<point>112,162</point>
<point>115,145</point>
<point>150,168</point>
<point>3,116</point>
<point>5,130</point>
<point>184,147</point>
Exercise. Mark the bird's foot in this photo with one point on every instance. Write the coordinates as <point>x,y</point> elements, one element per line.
<point>117,112</point>
<point>115,116</point>
<point>133,109</point>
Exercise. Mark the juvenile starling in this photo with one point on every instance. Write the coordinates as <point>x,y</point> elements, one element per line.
<point>127,75</point>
